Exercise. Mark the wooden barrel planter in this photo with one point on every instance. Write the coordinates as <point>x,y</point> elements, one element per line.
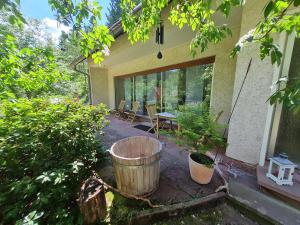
<point>136,164</point>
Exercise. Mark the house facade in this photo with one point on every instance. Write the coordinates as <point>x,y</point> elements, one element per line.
<point>256,129</point>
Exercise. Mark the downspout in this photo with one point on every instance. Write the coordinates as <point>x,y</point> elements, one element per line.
<point>89,83</point>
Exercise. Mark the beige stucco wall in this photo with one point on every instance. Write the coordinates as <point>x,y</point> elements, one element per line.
<point>125,59</point>
<point>99,87</point>
<point>248,121</point>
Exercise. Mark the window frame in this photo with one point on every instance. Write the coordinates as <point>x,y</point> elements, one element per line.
<point>161,70</point>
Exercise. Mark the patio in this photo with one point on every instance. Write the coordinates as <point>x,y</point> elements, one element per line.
<point>175,184</point>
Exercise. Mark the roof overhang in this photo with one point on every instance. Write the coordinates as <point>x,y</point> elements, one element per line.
<point>115,30</point>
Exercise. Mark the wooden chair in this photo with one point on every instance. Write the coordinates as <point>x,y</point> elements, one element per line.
<point>151,110</point>
<point>132,113</point>
<point>120,112</point>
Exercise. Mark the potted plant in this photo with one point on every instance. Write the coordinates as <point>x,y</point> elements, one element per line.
<point>200,131</point>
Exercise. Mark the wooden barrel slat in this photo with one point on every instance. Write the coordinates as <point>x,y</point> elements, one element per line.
<point>136,164</point>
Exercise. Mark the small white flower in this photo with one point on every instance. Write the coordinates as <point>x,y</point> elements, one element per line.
<point>105,50</point>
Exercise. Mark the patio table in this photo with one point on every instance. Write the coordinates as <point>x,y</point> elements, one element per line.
<point>167,116</point>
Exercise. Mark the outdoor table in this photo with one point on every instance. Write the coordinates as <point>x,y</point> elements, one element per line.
<point>167,116</point>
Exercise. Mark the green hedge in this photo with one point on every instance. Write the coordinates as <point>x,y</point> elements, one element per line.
<point>46,151</point>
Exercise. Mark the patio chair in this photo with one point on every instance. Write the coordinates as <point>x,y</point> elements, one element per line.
<point>132,113</point>
<point>120,112</point>
<point>151,110</point>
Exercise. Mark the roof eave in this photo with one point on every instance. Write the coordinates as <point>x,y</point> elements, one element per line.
<point>116,30</point>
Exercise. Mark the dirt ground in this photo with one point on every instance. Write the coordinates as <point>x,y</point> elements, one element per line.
<point>221,215</point>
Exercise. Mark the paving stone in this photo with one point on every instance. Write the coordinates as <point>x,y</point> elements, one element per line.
<point>175,183</point>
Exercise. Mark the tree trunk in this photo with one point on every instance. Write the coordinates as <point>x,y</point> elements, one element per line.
<point>92,202</point>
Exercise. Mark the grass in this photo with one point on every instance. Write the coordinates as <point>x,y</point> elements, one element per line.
<point>209,217</point>
<point>121,209</point>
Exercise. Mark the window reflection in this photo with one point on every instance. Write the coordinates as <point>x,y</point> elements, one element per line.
<point>168,89</point>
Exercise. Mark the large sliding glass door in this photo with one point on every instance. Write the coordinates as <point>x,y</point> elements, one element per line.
<point>167,89</point>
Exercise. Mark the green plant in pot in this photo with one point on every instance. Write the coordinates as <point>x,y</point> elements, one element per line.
<point>200,131</point>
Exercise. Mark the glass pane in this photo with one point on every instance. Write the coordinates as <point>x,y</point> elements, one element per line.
<point>153,90</point>
<point>198,83</point>
<point>128,87</point>
<point>288,140</point>
<point>170,90</point>
<point>140,93</point>
<point>120,91</point>
<point>167,89</point>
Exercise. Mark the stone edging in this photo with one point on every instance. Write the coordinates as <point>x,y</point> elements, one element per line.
<point>147,216</point>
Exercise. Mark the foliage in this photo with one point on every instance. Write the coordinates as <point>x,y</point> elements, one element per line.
<point>120,209</point>
<point>54,77</point>
<point>33,34</point>
<point>77,85</point>
<point>288,94</point>
<point>12,8</point>
<point>84,18</point>
<point>47,147</point>
<point>28,71</point>
<point>275,20</point>
<point>28,66</point>
<point>198,15</point>
<point>46,150</point>
<point>114,12</point>
<point>198,128</point>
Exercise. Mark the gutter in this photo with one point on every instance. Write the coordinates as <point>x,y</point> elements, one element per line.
<point>116,30</point>
<point>89,82</point>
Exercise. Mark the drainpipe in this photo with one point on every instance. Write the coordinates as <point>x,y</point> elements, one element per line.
<point>89,83</point>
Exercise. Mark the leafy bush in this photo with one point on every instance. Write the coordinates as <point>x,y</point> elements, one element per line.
<point>198,128</point>
<point>46,150</point>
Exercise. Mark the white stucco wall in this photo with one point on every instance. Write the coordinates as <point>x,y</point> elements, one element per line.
<point>248,121</point>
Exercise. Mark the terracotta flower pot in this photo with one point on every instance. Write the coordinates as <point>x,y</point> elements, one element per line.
<point>199,172</point>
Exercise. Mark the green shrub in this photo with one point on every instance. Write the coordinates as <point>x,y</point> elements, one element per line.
<point>46,151</point>
<point>198,128</point>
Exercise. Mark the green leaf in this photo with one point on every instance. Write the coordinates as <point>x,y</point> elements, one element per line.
<point>12,19</point>
<point>44,178</point>
<point>296,3</point>
<point>32,217</point>
<point>268,8</point>
<point>273,57</point>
